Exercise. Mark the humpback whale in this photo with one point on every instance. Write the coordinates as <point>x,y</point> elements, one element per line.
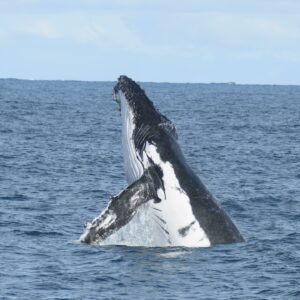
<point>160,180</point>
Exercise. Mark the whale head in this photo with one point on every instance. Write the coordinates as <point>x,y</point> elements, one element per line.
<point>133,100</point>
<point>140,122</point>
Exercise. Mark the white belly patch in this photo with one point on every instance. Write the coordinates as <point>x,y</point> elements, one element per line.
<point>174,210</point>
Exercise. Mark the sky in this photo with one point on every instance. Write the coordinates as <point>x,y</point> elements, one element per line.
<point>242,41</point>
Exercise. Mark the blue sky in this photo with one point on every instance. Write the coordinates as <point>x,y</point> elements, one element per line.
<point>246,41</point>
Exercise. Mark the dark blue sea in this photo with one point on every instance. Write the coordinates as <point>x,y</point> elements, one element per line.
<point>60,160</point>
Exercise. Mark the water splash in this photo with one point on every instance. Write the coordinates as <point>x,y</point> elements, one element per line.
<point>141,231</point>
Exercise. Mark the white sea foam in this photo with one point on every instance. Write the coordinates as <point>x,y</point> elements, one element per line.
<point>141,231</point>
<point>173,254</point>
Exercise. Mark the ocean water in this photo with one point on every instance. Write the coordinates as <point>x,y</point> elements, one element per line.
<point>60,160</point>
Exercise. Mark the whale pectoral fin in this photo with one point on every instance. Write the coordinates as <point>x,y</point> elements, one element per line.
<point>122,208</point>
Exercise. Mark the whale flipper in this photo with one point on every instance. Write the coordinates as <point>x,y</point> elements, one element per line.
<point>122,208</point>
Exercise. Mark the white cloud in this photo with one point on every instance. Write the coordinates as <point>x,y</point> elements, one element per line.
<point>197,35</point>
<point>223,28</point>
<point>106,30</point>
<point>179,34</point>
<point>40,28</point>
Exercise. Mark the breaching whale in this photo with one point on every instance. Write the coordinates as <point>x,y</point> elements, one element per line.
<point>160,180</point>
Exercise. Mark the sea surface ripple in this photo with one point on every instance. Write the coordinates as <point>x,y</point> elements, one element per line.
<point>60,160</point>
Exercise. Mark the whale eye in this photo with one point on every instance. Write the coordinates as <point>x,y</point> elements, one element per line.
<point>156,200</point>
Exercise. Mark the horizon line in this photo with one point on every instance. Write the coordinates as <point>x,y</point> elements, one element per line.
<point>166,82</point>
